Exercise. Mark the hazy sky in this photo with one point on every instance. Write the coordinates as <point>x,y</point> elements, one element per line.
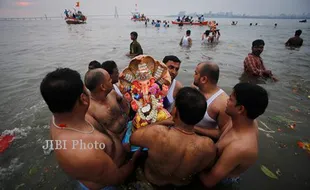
<point>18,8</point>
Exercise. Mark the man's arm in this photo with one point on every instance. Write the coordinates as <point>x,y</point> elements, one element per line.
<point>212,133</point>
<point>100,168</point>
<point>190,41</point>
<point>122,102</point>
<point>288,42</point>
<point>223,120</point>
<point>227,162</point>
<point>181,41</point>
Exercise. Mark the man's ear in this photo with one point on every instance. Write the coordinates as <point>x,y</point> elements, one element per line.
<point>241,109</point>
<point>84,99</point>
<point>204,79</point>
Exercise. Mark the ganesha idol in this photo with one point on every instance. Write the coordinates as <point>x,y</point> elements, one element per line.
<point>145,83</point>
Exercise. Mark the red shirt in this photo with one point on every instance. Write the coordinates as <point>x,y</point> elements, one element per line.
<point>253,65</point>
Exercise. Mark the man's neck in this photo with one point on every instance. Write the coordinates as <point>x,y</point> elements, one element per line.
<point>184,127</point>
<point>73,119</point>
<point>241,122</point>
<point>99,97</point>
<point>209,89</point>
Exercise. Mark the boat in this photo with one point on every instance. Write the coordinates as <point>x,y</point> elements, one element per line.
<point>303,20</point>
<point>204,23</point>
<point>75,21</point>
<point>234,23</point>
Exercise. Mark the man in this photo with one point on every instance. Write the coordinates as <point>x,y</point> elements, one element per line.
<point>93,65</point>
<point>186,41</point>
<point>176,154</point>
<point>135,47</point>
<point>295,41</point>
<point>107,108</point>
<point>68,100</point>
<point>215,119</point>
<point>253,63</point>
<point>173,63</point>
<point>238,146</point>
<point>111,67</point>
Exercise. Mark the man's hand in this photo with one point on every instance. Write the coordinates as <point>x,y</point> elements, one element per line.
<point>274,79</point>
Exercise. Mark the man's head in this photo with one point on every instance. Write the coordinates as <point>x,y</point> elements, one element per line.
<point>98,80</point>
<point>94,65</point>
<point>258,47</point>
<point>247,100</point>
<point>188,33</point>
<point>133,35</point>
<point>298,32</point>
<point>64,91</point>
<point>111,67</point>
<point>190,106</point>
<point>206,73</point>
<point>173,63</point>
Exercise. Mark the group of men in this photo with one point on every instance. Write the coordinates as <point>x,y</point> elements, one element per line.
<point>211,136</point>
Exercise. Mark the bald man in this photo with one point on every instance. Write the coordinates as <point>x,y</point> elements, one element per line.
<point>107,108</point>
<point>215,119</point>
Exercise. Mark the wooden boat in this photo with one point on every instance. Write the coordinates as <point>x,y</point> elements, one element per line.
<point>75,21</point>
<point>303,20</point>
<point>192,23</point>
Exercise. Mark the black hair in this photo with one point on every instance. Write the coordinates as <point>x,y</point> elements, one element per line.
<point>253,97</point>
<point>171,58</point>
<point>94,65</point>
<point>93,78</point>
<point>212,71</point>
<point>298,32</point>
<point>258,42</point>
<point>191,105</point>
<point>109,66</point>
<point>135,34</point>
<point>207,32</point>
<point>61,89</point>
<point>188,32</point>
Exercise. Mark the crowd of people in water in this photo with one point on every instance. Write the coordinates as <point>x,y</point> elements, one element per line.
<point>210,139</point>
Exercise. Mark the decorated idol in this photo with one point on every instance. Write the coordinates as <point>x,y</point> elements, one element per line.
<point>145,83</point>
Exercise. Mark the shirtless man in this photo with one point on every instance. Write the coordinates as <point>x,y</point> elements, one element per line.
<point>111,67</point>
<point>238,146</point>
<point>215,120</point>
<point>172,160</point>
<point>173,63</point>
<point>107,108</point>
<point>295,41</point>
<point>93,166</point>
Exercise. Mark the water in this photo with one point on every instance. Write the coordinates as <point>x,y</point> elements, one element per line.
<point>30,49</point>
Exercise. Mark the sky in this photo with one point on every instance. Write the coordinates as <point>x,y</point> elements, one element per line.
<point>32,8</point>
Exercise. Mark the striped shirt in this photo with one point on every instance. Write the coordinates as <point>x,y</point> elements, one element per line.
<point>253,65</point>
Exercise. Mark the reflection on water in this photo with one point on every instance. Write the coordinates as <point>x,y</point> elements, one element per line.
<point>30,49</point>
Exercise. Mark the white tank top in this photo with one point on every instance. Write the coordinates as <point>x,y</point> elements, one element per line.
<point>207,121</point>
<point>185,41</point>
<point>169,96</point>
<point>117,90</point>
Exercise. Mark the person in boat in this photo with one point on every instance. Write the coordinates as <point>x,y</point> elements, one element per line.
<point>186,41</point>
<point>237,149</point>
<point>215,120</point>
<point>107,109</point>
<point>66,13</point>
<point>173,63</point>
<point>295,41</point>
<point>253,63</point>
<point>135,47</point>
<point>178,19</point>
<point>94,65</point>
<point>96,166</point>
<point>111,67</point>
<point>172,161</point>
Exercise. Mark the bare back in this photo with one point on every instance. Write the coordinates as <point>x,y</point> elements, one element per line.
<point>174,156</point>
<point>244,143</point>
<point>73,160</point>
<point>109,115</point>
